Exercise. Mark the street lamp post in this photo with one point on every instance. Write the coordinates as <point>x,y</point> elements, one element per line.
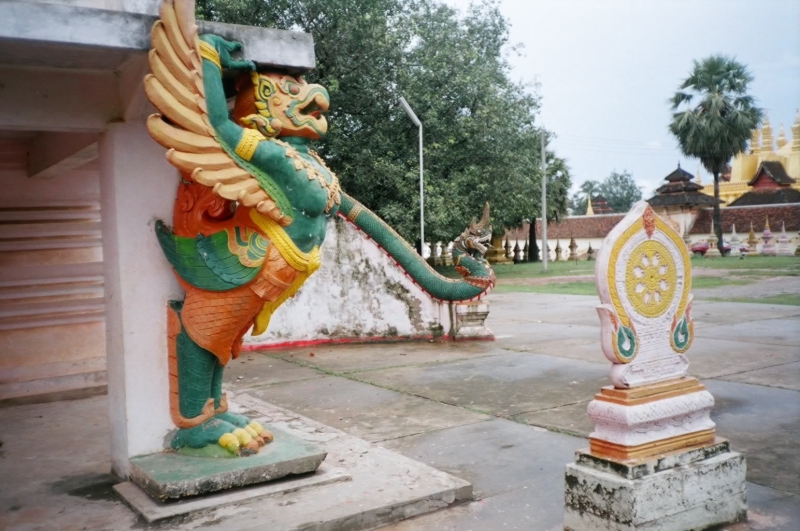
<point>416,121</point>
<point>545,252</point>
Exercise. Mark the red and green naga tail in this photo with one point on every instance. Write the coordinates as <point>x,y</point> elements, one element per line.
<point>478,276</point>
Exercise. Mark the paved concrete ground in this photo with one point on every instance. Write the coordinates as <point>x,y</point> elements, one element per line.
<point>505,415</point>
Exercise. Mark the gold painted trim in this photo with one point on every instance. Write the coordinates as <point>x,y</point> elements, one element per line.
<point>605,449</point>
<point>614,257</point>
<point>354,212</point>
<point>248,144</point>
<point>208,52</point>
<point>297,259</point>
<point>601,397</point>
<point>650,389</point>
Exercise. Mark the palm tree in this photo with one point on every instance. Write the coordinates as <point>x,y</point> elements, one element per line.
<point>588,190</point>
<point>719,125</point>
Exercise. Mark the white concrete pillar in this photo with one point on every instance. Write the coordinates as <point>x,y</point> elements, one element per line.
<point>138,187</point>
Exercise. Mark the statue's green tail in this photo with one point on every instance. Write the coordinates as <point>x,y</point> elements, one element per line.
<point>478,276</point>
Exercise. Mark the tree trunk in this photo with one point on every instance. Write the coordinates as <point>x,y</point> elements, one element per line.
<point>533,247</point>
<point>718,215</point>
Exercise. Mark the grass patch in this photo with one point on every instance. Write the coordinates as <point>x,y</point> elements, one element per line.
<point>765,272</point>
<point>788,299</point>
<point>716,282</point>
<point>559,288</point>
<point>788,263</point>
<point>762,266</point>
<point>531,270</point>
<point>583,287</point>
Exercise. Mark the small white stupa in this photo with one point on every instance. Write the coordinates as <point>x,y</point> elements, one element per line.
<point>735,243</point>
<point>768,249</point>
<point>783,243</point>
<point>712,251</point>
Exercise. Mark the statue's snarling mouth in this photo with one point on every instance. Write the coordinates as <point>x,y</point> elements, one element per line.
<point>480,242</point>
<point>308,112</point>
<point>286,106</point>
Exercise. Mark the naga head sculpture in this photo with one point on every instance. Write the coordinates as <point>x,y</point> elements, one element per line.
<point>278,104</point>
<point>475,239</point>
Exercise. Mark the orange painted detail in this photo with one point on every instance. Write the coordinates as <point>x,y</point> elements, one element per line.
<point>275,278</point>
<point>649,221</point>
<point>214,319</point>
<point>173,329</point>
<point>649,450</point>
<point>218,320</point>
<point>198,210</point>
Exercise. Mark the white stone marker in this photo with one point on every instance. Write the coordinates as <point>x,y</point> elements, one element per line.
<point>653,461</point>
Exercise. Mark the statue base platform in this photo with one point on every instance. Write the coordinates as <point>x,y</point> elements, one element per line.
<point>170,475</point>
<point>359,486</point>
<point>154,510</point>
<point>688,489</point>
<point>470,320</point>
<point>497,255</point>
<point>652,419</point>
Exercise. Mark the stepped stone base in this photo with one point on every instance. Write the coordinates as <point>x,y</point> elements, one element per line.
<point>171,475</point>
<point>360,485</point>
<point>681,491</point>
<point>470,319</point>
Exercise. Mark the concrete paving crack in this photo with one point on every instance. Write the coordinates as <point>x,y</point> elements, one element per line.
<point>723,376</point>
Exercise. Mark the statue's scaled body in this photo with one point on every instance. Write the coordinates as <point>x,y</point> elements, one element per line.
<point>250,216</point>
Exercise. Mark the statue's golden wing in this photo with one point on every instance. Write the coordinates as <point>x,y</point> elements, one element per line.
<point>175,87</point>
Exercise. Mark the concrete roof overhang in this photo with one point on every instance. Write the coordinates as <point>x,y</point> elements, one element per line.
<point>67,71</point>
<point>73,37</point>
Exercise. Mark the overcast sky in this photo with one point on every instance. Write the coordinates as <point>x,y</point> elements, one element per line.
<point>607,67</point>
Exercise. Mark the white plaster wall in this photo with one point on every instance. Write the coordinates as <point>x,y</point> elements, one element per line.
<point>42,244</point>
<point>76,186</point>
<point>137,188</point>
<point>359,292</point>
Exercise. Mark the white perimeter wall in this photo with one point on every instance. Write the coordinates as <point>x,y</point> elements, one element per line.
<point>359,292</point>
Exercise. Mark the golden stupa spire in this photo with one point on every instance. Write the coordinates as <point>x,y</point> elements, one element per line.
<point>796,133</point>
<point>755,142</point>
<point>589,210</point>
<point>697,176</point>
<point>766,136</point>
<point>782,138</point>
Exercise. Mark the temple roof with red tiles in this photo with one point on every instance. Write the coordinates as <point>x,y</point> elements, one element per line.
<point>574,226</point>
<point>679,175</point>
<point>600,205</point>
<point>680,191</point>
<point>775,171</point>
<point>743,216</point>
<point>777,196</point>
<point>599,226</point>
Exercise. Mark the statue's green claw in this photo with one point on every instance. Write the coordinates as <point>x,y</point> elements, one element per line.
<point>241,65</point>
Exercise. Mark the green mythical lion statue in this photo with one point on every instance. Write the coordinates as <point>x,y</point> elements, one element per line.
<point>251,212</point>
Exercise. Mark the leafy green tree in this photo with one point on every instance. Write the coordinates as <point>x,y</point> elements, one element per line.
<point>481,137</point>
<point>713,116</point>
<point>621,191</point>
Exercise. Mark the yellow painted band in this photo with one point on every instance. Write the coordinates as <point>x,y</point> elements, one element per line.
<point>687,264</point>
<point>261,322</point>
<point>353,215</point>
<point>208,52</point>
<point>247,145</point>
<point>297,259</point>
<point>612,264</point>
